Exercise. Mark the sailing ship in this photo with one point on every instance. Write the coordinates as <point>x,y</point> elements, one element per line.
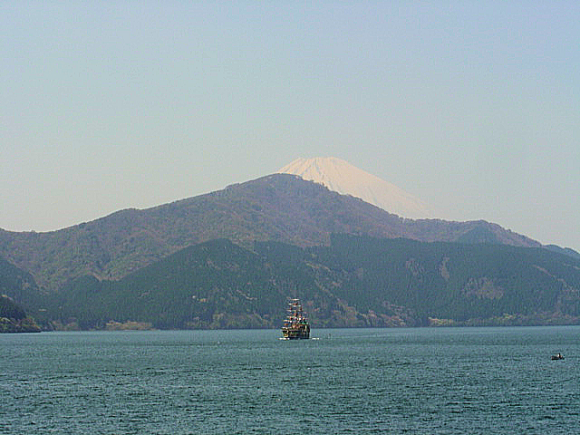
<point>296,324</point>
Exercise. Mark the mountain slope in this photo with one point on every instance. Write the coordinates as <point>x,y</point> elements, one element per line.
<point>356,281</point>
<point>215,284</point>
<point>342,177</point>
<point>277,207</point>
<point>18,285</point>
<point>13,318</point>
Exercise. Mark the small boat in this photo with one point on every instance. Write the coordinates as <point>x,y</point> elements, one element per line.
<point>557,357</point>
<point>296,324</point>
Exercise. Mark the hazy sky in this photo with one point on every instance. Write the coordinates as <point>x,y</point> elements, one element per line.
<point>472,106</point>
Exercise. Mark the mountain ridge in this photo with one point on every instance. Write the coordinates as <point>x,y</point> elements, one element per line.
<point>278,207</point>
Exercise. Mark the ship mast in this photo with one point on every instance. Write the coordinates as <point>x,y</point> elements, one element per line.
<point>296,324</point>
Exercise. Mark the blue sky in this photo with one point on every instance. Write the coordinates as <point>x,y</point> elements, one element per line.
<point>471,106</point>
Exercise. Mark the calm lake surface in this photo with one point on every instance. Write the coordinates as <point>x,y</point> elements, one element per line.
<point>419,381</point>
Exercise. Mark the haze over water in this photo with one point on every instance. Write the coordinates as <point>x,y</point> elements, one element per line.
<point>436,381</point>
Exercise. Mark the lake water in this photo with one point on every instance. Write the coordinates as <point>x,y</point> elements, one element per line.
<point>418,381</point>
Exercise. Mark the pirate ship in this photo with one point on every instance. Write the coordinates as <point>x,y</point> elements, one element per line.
<point>296,324</point>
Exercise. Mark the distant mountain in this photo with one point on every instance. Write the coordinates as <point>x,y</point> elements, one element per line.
<point>354,282</point>
<point>277,207</point>
<point>342,177</point>
<point>566,251</point>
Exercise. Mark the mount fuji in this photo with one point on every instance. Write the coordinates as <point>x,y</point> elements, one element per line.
<point>342,177</point>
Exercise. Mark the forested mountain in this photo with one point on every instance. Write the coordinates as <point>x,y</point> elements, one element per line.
<point>355,281</point>
<point>566,251</point>
<point>18,284</point>
<point>13,318</point>
<point>278,207</point>
<point>17,289</point>
<point>10,309</point>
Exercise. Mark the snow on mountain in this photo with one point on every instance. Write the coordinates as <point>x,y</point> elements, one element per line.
<point>344,178</point>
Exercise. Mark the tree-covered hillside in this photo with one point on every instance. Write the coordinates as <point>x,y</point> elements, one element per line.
<point>13,318</point>
<point>356,281</point>
<point>456,281</point>
<point>279,207</point>
<point>18,284</point>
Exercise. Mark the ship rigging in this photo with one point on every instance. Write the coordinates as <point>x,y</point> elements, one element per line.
<point>296,324</point>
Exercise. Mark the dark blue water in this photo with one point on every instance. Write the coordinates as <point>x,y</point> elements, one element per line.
<point>419,381</point>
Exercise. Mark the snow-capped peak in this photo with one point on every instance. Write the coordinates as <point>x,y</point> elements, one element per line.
<point>344,178</point>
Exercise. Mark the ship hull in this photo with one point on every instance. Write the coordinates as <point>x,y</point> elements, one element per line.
<point>296,334</point>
